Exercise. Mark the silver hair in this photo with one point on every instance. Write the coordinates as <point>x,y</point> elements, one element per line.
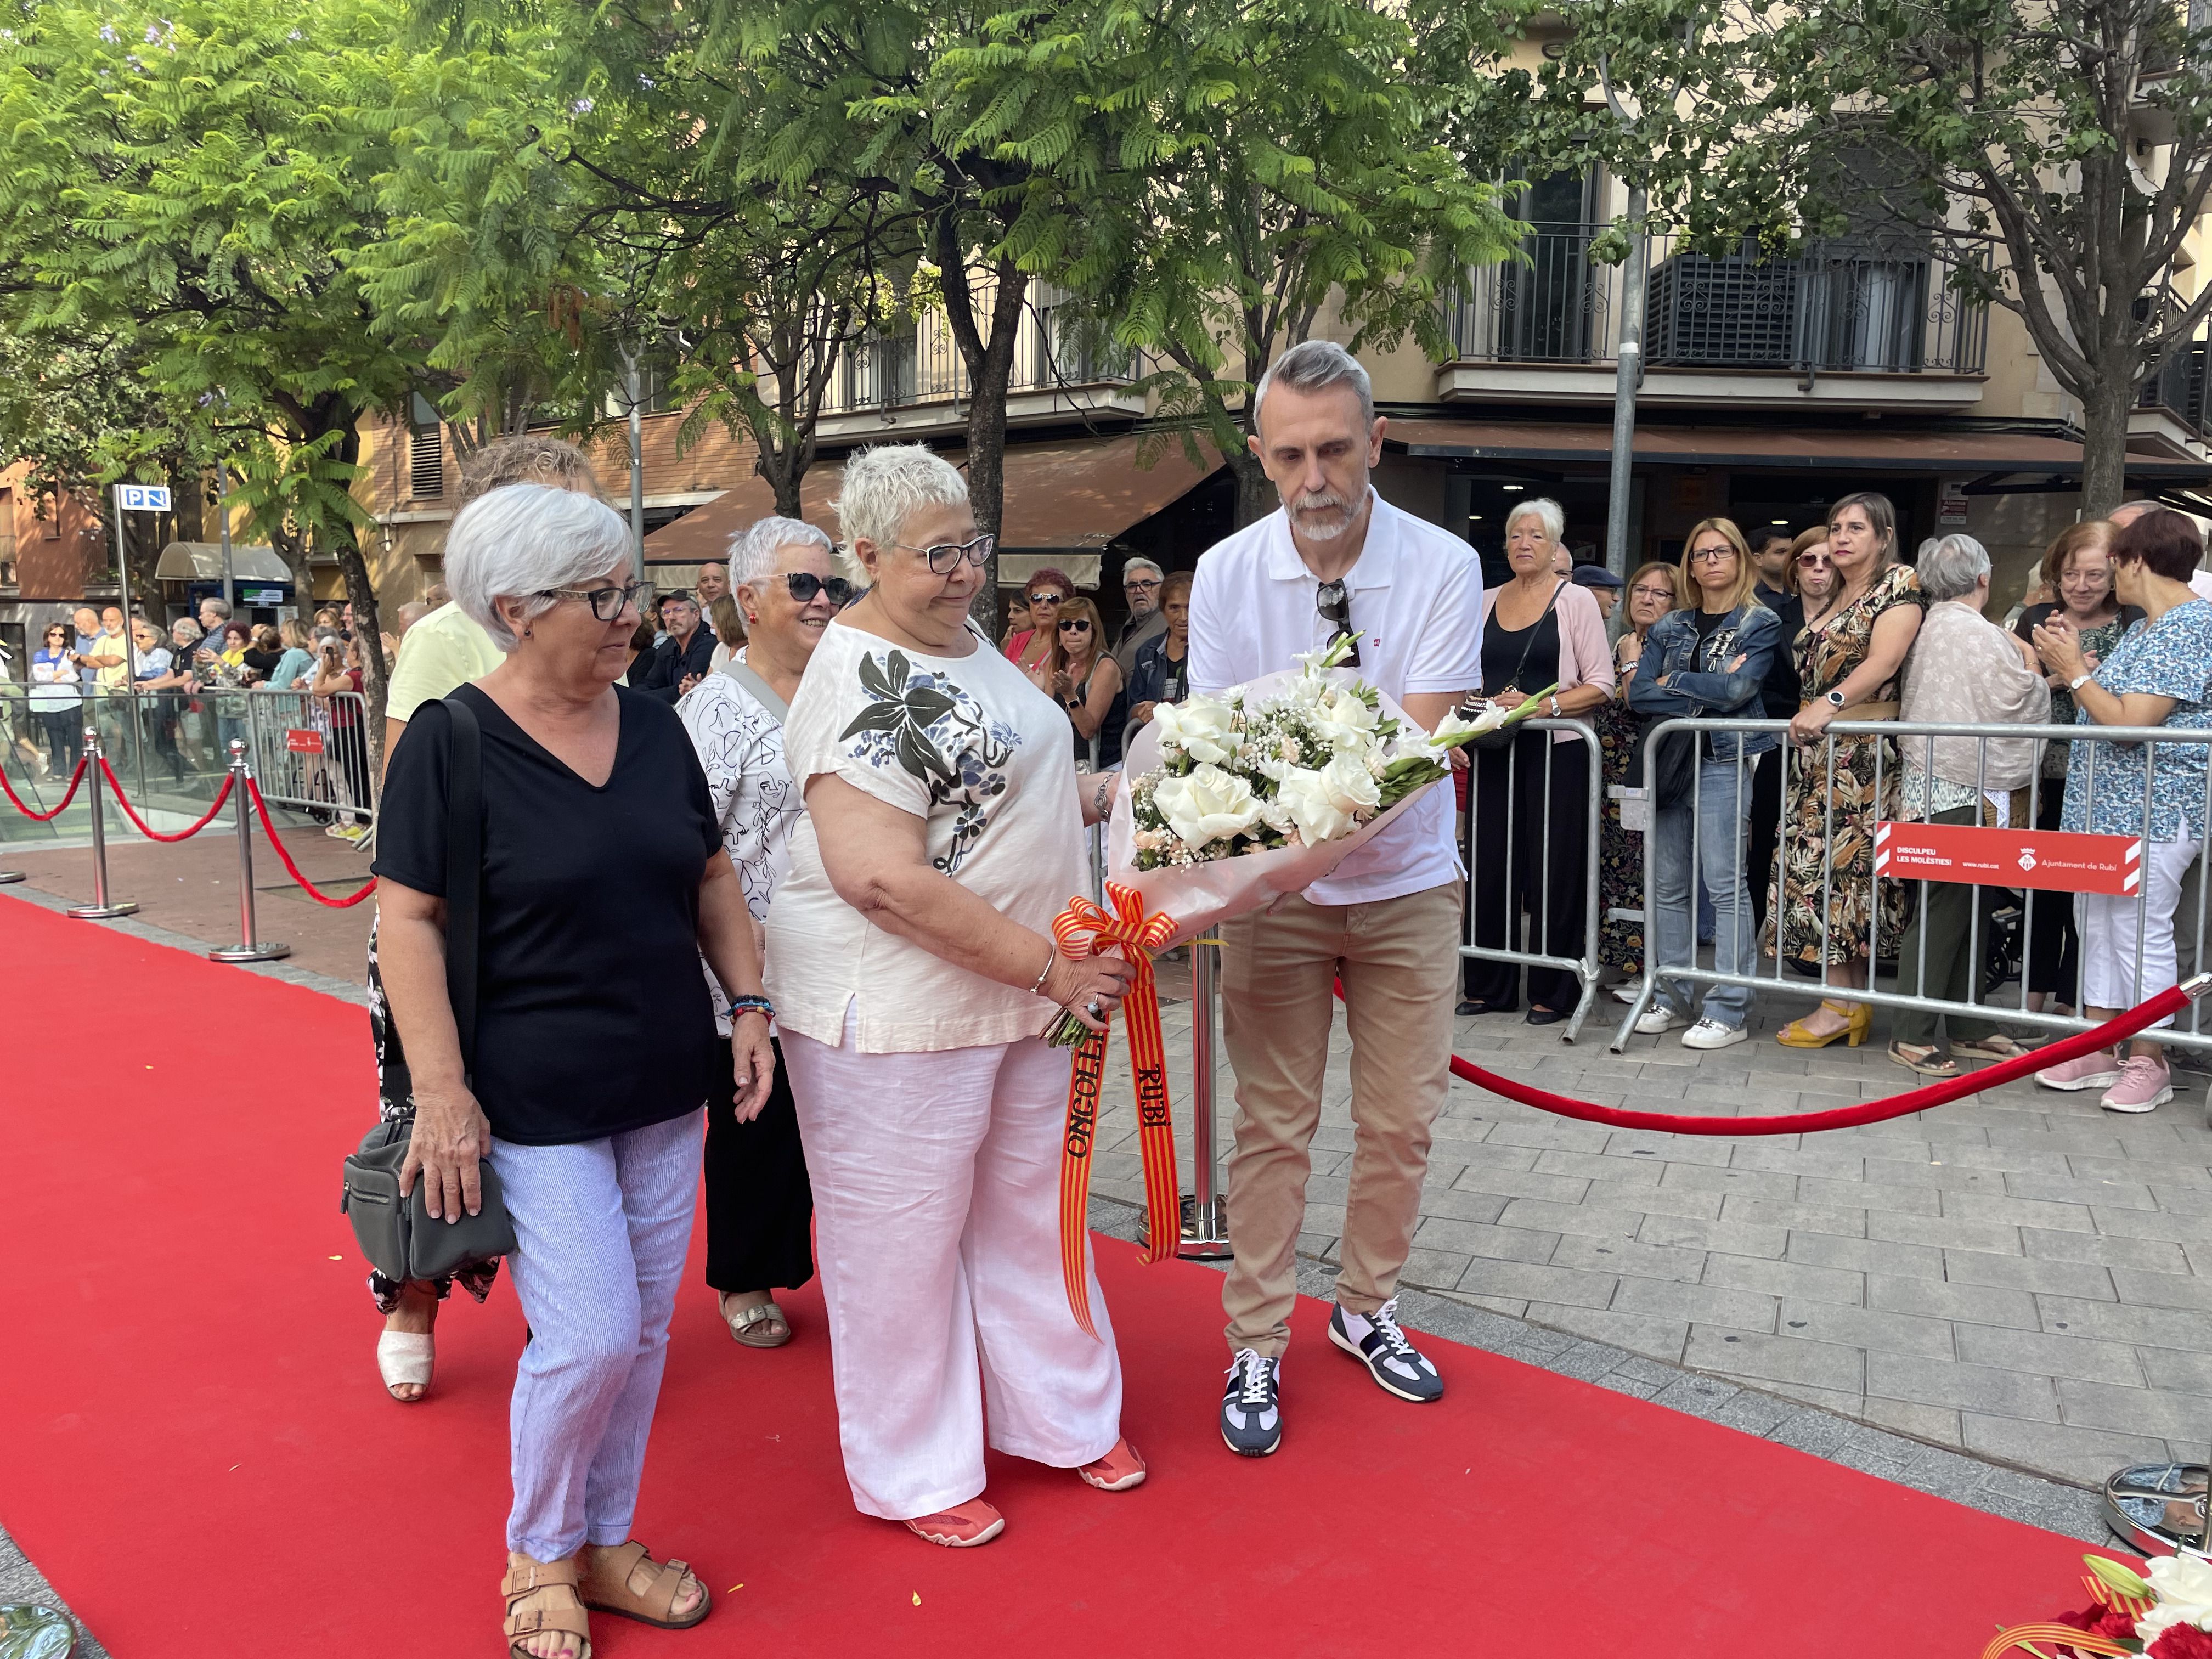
<point>1954,567</point>
<point>191,629</point>
<point>220,608</point>
<point>1130,565</point>
<point>1313,365</point>
<point>884,487</point>
<point>753,549</point>
<point>517,541</point>
<point>1549,512</point>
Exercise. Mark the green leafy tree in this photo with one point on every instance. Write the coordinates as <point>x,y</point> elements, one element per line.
<point>1298,170</point>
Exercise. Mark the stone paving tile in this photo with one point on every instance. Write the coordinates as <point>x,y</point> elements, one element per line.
<point>2017,1277</point>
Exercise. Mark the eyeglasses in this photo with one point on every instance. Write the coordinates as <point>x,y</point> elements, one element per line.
<point>1711,554</point>
<point>1334,604</point>
<point>1075,625</point>
<point>1812,559</point>
<point>1142,581</point>
<point>944,557</point>
<point>804,585</point>
<point>1045,598</point>
<point>606,602</point>
<point>1653,594</point>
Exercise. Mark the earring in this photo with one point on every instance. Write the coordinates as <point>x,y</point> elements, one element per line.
<point>531,632</point>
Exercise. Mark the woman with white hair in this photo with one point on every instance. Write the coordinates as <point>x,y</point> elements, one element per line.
<point>602,881</point>
<point>1964,670</point>
<point>1532,796</point>
<point>760,1211</point>
<point>911,957</point>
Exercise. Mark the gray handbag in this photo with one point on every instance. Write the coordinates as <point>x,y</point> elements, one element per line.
<point>398,1235</point>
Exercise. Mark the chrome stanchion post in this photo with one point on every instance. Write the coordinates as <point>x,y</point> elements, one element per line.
<point>1205,1213</point>
<point>249,947</point>
<point>100,908</point>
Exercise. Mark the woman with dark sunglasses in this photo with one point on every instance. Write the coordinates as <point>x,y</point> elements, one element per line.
<point>760,1205</point>
<point>1097,702</point>
<point>1032,647</point>
<point>55,698</point>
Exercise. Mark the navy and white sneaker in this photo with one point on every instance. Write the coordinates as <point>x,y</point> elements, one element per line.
<point>1376,1342</point>
<point>1251,1406</point>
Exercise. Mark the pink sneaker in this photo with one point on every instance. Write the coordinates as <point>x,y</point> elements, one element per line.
<point>2144,1084</point>
<point>2099,1069</point>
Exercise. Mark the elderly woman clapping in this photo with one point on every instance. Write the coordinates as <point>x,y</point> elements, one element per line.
<point>909,951</point>
<point>1965,671</point>
<point>759,1210</point>
<point>603,882</point>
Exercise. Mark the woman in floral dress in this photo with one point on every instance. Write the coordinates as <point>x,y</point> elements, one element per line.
<point>1652,592</point>
<point>1849,662</point>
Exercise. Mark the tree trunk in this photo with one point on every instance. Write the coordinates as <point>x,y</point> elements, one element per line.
<point>1255,491</point>
<point>2105,445</point>
<point>988,378</point>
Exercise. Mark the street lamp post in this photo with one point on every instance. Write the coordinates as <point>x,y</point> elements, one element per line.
<point>1627,376</point>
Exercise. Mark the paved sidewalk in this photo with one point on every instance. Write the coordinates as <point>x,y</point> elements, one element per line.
<point>2019,1274</point>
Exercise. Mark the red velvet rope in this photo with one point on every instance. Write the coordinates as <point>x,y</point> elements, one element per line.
<point>292,870</point>
<point>75,778</point>
<point>2134,1019</point>
<point>206,818</point>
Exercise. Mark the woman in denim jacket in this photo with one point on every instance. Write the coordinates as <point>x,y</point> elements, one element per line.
<point>1707,660</point>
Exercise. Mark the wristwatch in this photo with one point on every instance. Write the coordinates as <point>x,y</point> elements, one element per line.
<point>2079,681</point>
<point>1836,699</point>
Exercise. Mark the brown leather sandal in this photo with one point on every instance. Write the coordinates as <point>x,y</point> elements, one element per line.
<point>524,1584</point>
<point>606,1588</point>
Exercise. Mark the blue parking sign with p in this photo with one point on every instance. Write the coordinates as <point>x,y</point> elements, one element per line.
<point>142,498</point>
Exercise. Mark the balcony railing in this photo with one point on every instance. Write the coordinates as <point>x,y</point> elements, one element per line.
<point>2178,386</point>
<point>924,367</point>
<point>1840,307</point>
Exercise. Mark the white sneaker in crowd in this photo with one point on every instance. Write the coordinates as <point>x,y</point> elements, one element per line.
<point>1659,1019</point>
<point>1711,1034</point>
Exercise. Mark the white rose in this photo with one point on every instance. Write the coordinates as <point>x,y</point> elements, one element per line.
<point>1346,721</point>
<point>1352,788</point>
<point>1306,796</point>
<point>1199,728</point>
<point>1208,805</point>
<point>2184,1585</point>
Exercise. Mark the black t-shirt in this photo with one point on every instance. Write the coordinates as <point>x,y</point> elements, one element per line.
<point>592,1014</point>
<point>1781,691</point>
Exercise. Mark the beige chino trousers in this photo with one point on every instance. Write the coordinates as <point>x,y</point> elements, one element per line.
<point>1398,959</point>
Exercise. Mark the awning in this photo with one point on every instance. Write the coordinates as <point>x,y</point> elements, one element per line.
<point>1069,497</point>
<point>1807,448</point>
<point>202,562</point>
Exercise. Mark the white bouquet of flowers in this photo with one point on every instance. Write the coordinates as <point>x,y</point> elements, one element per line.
<point>1229,803</point>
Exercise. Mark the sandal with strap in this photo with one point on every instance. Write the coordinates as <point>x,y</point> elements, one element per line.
<point>606,1588</point>
<point>1999,1047</point>
<point>1926,1059</point>
<point>745,1324</point>
<point>524,1584</point>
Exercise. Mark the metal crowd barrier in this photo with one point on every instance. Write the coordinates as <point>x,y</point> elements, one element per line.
<point>1489,878</point>
<point>2111,748</point>
<point>311,753</point>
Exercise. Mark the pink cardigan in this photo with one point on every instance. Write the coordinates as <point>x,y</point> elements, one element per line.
<point>1585,658</point>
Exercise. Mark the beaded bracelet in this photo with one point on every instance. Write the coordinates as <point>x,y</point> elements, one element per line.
<point>760,1005</point>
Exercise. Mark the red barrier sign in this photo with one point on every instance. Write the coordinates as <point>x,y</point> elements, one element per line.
<point>2050,859</point>
<point>303,742</point>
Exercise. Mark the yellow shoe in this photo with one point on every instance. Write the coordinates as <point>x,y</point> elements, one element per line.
<point>1858,1025</point>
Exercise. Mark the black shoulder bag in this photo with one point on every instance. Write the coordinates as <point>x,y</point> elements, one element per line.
<point>398,1235</point>
<point>1506,734</point>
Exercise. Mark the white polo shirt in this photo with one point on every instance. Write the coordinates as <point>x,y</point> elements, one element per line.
<point>1416,599</point>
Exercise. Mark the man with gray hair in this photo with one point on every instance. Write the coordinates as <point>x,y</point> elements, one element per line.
<point>1141,586</point>
<point>1337,559</point>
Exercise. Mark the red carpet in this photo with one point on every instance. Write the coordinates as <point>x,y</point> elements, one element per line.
<point>198,1453</point>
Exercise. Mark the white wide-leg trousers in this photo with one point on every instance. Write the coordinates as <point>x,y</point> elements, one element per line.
<point>937,1229</point>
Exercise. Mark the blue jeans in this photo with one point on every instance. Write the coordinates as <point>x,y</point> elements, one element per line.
<point>1721,836</point>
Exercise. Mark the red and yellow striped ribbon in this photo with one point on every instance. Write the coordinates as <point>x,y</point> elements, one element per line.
<point>2069,1640</point>
<point>1085,930</point>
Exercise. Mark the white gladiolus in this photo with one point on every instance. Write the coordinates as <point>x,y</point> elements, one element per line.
<point>1209,805</point>
<point>1452,730</point>
<point>1199,728</point>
